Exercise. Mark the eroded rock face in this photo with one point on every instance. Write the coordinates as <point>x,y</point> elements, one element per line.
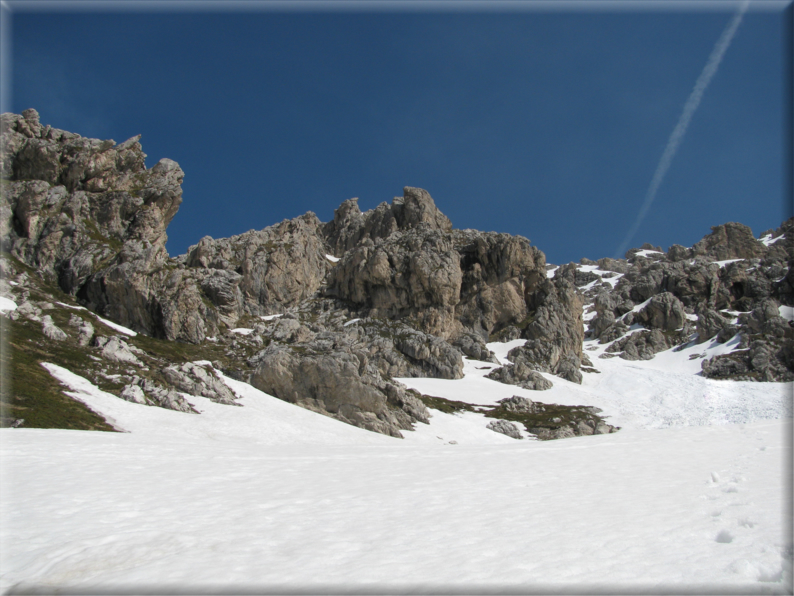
<point>350,227</point>
<point>414,276</point>
<point>262,272</point>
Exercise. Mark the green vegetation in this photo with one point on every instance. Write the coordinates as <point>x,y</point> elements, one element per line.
<point>93,232</point>
<point>448,406</point>
<point>551,416</point>
<point>30,392</point>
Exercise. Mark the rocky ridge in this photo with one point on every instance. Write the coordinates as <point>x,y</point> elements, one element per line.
<point>326,315</point>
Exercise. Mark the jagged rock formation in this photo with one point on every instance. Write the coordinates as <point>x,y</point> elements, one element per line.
<point>728,285</point>
<point>330,313</point>
<point>89,216</point>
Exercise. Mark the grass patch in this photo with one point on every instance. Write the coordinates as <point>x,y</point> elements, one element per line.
<point>30,392</point>
<point>550,416</point>
<point>448,406</point>
<point>93,232</point>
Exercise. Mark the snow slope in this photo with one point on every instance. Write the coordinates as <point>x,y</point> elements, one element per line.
<point>691,495</point>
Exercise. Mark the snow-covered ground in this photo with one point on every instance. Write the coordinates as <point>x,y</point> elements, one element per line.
<point>692,494</point>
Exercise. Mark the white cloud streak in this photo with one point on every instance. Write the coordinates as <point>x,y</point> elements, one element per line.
<point>679,131</point>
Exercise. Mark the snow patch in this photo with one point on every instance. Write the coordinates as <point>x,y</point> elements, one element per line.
<point>787,312</point>
<point>116,326</point>
<point>351,321</point>
<point>646,253</point>
<point>768,240</point>
<point>332,258</point>
<point>6,304</point>
<point>727,262</point>
<point>242,331</point>
<point>270,317</point>
<point>111,324</point>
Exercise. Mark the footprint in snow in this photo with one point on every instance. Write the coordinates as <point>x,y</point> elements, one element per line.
<point>724,537</point>
<point>747,523</point>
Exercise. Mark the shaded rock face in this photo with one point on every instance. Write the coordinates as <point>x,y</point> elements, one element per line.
<point>664,311</point>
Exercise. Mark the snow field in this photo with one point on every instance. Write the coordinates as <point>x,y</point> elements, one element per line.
<point>665,391</point>
<point>634,510</point>
<point>689,496</point>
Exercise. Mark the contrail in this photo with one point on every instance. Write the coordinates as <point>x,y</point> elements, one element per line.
<point>679,131</point>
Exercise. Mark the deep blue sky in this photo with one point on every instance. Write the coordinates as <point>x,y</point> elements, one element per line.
<point>539,123</point>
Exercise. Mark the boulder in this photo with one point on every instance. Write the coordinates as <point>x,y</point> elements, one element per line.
<point>198,379</point>
<point>505,427</point>
<point>117,350</point>
<point>664,312</point>
<point>51,330</point>
<point>342,384</point>
<point>522,375</point>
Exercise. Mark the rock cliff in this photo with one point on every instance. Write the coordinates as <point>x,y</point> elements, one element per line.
<point>326,315</point>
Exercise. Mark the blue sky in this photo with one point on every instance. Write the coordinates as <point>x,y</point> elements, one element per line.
<point>544,123</point>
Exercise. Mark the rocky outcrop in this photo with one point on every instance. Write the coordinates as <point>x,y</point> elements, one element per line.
<point>367,297</point>
<point>414,276</point>
<point>727,285</point>
<point>51,330</point>
<point>350,227</point>
<point>664,312</point>
<point>504,427</point>
<point>339,383</point>
<point>118,350</point>
<point>195,379</point>
<point>88,214</point>
<point>550,421</point>
<point>522,375</point>
<point>729,241</point>
<point>85,330</point>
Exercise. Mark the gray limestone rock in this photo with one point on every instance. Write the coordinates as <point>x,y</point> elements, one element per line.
<point>85,330</point>
<point>116,349</point>
<point>522,375</point>
<point>134,394</point>
<point>505,427</point>
<point>351,228</point>
<point>518,404</point>
<point>197,379</point>
<point>641,345</point>
<point>709,324</point>
<point>341,384</point>
<point>51,330</point>
<point>730,241</point>
<point>162,397</point>
<point>473,346</point>
<point>664,311</point>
